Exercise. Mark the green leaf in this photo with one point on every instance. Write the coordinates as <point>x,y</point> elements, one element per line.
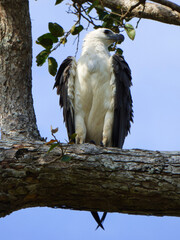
<point>130,31</point>
<point>41,57</point>
<point>107,24</point>
<point>65,158</point>
<point>46,43</point>
<point>101,13</point>
<point>58,2</point>
<point>55,29</point>
<point>47,36</point>
<point>119,51</point>
<point>93,5</point>
<point>115,29</point>
<point>76,30</point>
<point>112,47</point>
<point>47,40</point>
<point>53,146</point>
<point>52,67</point>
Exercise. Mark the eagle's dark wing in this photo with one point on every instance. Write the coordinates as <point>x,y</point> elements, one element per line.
<point>65,79</point>
<point>123,113</point>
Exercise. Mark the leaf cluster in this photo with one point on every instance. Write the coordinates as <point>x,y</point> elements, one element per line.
<point>104,18</point>
<point>113,21</point>
<point>47,41</point>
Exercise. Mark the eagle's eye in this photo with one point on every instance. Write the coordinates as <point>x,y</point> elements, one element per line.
<point>107,31</point>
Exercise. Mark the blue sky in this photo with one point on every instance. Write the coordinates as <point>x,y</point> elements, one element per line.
<point>154,58</point>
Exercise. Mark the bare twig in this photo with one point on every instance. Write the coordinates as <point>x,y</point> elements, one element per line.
<point>77,46</point>
<point>137,24</point>
<point>88,18</point>
<point>60,144</point>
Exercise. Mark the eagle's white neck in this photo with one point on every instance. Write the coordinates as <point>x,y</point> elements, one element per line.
<point>95,46</point>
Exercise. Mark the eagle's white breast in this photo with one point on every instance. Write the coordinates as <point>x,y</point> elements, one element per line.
<point>94,94</point>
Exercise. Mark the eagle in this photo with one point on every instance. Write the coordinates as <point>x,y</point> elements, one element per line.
<point>95,94</point>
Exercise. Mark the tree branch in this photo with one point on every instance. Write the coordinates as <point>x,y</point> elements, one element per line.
<point>95,179</point>
<point>165,11</point>
<point>172,5</point>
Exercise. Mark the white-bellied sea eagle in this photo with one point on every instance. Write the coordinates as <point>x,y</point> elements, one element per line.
<point>95,94</point>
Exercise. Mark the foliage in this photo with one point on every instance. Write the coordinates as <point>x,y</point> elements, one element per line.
<point>54,143</point>
<point>95,14</point>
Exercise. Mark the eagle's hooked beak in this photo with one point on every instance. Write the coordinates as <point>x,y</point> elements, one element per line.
<point>117,37</point>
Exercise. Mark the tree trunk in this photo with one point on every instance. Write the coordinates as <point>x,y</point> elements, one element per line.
<point>17,118</point>
<point>95,179</point>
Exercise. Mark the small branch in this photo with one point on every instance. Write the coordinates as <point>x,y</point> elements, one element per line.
<point>137,24</point>
<point>77,46</point>
<point>89,18</point>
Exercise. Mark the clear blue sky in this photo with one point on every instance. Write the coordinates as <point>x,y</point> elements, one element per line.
<point>154,57</point>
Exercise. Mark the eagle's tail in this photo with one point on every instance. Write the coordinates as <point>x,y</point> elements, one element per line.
<point>98,220</point>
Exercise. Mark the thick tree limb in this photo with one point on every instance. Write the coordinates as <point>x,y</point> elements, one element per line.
<point>113,180</point>
<point>172,5</point>
<point>164,11</point>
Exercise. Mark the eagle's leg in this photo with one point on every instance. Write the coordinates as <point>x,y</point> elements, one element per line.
<point>80,129</point>
<point>107,129</point>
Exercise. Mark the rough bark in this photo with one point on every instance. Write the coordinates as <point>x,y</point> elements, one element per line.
<point>161,11</point>
<point>17,116</point>
<point>113,180</point>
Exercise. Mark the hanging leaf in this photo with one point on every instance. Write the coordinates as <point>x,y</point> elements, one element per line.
<point>47,40</point>
<point>115,29</point>
<point>130,31</point>
<point>46,43</point>
<point>53,146</point>
<point>55,29</point>
<point>101,13</point>
<point>58,2</point>
<point>41,57</point>
<point>76,30</point>
<point>112,48</point>
<point>108,22</point>
<point>50,142</point>
<point>93,5</point>
<point>47,36</point>
<point>119,51</point>
<point>52,66</point>
<point>54,130</point>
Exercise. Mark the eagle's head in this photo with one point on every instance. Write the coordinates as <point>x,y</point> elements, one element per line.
<point>104,35</point>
